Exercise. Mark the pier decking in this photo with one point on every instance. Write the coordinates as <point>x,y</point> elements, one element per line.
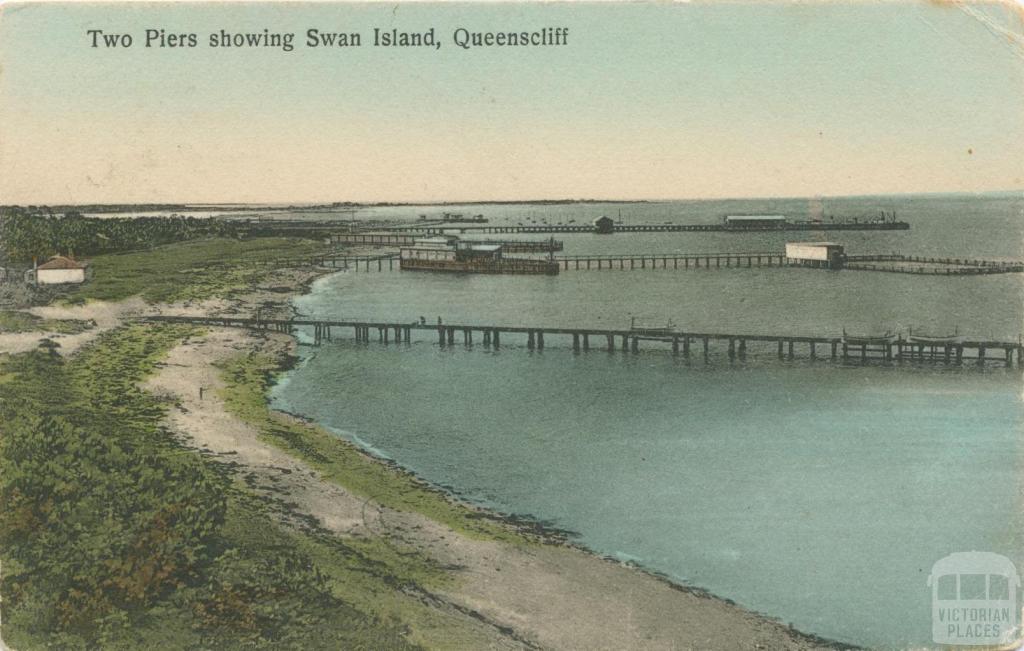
<point>737,345</point>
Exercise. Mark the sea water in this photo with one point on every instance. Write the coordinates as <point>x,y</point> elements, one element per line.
<point>813,492</point>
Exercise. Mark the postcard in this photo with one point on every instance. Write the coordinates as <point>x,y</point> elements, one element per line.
<point>445,325</point>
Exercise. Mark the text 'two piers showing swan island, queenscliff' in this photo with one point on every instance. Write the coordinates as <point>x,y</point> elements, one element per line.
<point>461,37</point>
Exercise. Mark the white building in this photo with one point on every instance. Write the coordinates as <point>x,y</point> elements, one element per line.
<point>815,254</point>
<point>59,270</point>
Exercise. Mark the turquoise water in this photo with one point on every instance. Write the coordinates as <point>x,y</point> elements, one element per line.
<point>817,494</point>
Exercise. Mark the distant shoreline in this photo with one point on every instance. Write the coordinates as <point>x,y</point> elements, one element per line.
<point>346,205</point>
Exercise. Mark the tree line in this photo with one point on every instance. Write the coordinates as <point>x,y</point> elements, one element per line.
<point>25,235</point>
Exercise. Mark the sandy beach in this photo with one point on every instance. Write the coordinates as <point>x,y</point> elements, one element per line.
<point>553,596</point>
<point>547,596</point>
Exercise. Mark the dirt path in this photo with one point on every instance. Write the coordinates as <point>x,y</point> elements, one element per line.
<point>551,597</point>
<point>106,315</point>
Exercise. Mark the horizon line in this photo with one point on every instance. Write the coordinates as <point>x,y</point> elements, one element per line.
<point>453,202</point>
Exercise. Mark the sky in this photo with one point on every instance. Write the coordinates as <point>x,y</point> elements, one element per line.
<point>646,101</point>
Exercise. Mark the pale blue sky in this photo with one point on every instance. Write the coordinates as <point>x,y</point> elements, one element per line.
<point>646,101</point>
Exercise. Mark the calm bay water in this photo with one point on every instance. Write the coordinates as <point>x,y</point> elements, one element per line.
<point>815,494</point>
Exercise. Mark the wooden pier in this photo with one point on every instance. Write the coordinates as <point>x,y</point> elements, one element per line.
<point>313,227</point>
<point>383,262</point>
<point>932,266</point>
<point>736,346</point>
<point>657,228</point>
<point>671,261</point>
<point>892,263</point>
<point>408,239</point>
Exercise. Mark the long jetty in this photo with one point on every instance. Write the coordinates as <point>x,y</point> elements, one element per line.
<point>671,260</point>
<point>270,227</point>
<point>892,263</point>
<point>656,228</point>
<point>933,266</point>
<point>408,239</point>
<point>856,349</point>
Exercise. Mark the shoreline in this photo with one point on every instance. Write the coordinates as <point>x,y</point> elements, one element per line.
<point>547,533</point>
<point>529,587</point>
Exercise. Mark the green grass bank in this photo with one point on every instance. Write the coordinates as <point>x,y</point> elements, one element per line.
<point>114,535</point>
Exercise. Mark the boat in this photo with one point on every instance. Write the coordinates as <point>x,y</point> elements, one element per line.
<point>935,340</point>
<point>448,253</point>
<point>863,340</point>
<point>667,330</point>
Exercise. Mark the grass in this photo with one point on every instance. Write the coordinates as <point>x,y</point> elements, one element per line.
<point>248,377</point>
<point>192,270</point>
<point>16,321</point>
<point>250,580</point>
<point>115,536</point>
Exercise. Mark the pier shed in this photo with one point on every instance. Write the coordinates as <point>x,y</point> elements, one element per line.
<point>604,224</point>
<point>824,255</point>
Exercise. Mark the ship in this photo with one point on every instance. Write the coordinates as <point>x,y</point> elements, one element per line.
<point>935,340</point>
<point>869,339</point>
<point>450,254</point>
<point>652,331</point>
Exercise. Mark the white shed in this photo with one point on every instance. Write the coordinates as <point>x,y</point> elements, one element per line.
<point>59,270</point>
<point>815,254</point>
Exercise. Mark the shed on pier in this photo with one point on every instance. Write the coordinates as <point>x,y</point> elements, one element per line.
<point>604,224</point>
<point>826,255</point>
